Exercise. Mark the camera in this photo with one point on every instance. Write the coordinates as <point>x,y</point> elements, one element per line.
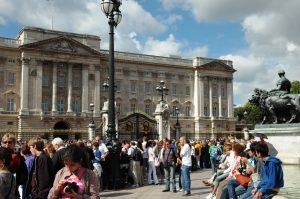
<point>69,186</point>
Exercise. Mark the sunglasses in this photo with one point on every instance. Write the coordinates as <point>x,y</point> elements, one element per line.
<point>7,142</point>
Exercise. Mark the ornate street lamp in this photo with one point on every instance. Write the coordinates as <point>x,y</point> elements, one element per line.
<point>92,125</point>
<point>177,125</point>
<point>162,89</point>
<point>111,9</point>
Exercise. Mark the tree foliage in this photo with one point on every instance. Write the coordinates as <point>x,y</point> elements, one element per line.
<point>295,87</point>
<point>248,113</point>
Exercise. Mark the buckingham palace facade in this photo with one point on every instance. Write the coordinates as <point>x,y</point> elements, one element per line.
<point>48,79</point>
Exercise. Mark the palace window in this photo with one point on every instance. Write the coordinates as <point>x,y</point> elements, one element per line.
<point>205,90</point>
<point>205,111</point>
<point>187,91</point>
<point>174,111</point>
<point>45,105</point>
<point>187,111</point>
<point>45,81</point>
<point>118,85</point>
<point>147,109</point>
<point>118,107</point>
<point>215,110</point>
<point>61,105</point>
<point>76,106</point>
<point>132,107</point>
<point>10,104</point>
<point>11,78</point>
<point>61,81</point>
<point>223,92</point>
<point>174,89</point>
<point>76,83</point>
<point>133,86</point>
<point>147,87</point>
<point>215,91</point>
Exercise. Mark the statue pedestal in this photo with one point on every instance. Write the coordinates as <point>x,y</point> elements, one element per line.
<point>285,138</point>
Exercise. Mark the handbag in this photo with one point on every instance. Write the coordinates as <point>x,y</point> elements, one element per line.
<point>156,162</point>
<point>243,180</point>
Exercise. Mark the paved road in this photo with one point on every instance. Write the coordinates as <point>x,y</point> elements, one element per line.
<point>198,190</point>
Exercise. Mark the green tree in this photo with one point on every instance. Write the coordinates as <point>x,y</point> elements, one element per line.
<point>249,113</point>
<point>254,114</point>
<point>295,87</point>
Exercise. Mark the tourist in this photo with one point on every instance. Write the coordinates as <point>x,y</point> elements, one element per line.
<point>198,147</point>
<point>49,149</point>
<point>29,160</point>
<point>97,159</point>
<point>104,164</point>
<point>151,159</point>
<point>185,154</point>
<point>7,180</point>
<point>169,160</point>
<point>135,155</point>
<point>17,165</point>
<point>272,176</point>
<point>57,158</point>
<point>85,182</point>
<point>145,156</point>
<point>42,174</point>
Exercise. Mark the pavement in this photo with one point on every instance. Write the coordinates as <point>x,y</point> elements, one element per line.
<point>198,190</point>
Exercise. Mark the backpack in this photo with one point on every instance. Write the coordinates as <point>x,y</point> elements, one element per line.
<point>137,155</point>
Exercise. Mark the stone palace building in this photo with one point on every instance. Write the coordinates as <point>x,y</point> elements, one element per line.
<point>48,79</point>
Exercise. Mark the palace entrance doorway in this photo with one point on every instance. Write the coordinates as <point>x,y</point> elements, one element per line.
<point>61,129</point>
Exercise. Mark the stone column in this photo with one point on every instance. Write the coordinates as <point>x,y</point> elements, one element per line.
<point>39,86</point>
<point>220,99</point>
<point>54,88</point>
<point>69,89</point>
<point>97,94</point>
<point>196,101</point>
<point>201,97</point>
<point>196,96</point>
<point>230,98</point>
<point>85,88</point>
<point>24,85</point>
<point>210,98</point>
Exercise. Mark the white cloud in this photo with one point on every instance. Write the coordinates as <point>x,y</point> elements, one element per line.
<point>162,47</point>
<point>2,21</point>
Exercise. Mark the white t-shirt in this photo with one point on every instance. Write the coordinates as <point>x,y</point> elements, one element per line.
<point>145,153</point>
<point>186,153</point>
<point>150,154</point>
<point>103,149</point>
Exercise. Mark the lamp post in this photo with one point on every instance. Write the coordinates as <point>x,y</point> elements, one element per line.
<point>162,89</point>
<point>246,131</point>
<point>111,9</point>
<point>92,125</point>
<point>177,125</point>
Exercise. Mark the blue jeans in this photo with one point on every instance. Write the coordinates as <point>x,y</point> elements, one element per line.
<point>248,193</point>
<point>213,165</point>
<point>219,178</point>
<point>170,177</point>
<point>185,178</point>
<point>234,188</point>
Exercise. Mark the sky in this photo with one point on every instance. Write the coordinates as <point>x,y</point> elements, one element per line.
<point>260,37</point>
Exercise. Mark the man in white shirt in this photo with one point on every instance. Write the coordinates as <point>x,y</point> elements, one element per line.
<point>185,154</point>
<point>104,153</point>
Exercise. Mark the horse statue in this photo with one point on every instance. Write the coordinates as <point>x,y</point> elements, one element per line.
<point>276,108</point>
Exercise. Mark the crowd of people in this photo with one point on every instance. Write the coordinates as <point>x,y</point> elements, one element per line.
<point>39,168</point>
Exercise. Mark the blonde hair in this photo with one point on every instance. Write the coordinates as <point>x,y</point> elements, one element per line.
<point>37,142</point>
<point>9,136</point>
